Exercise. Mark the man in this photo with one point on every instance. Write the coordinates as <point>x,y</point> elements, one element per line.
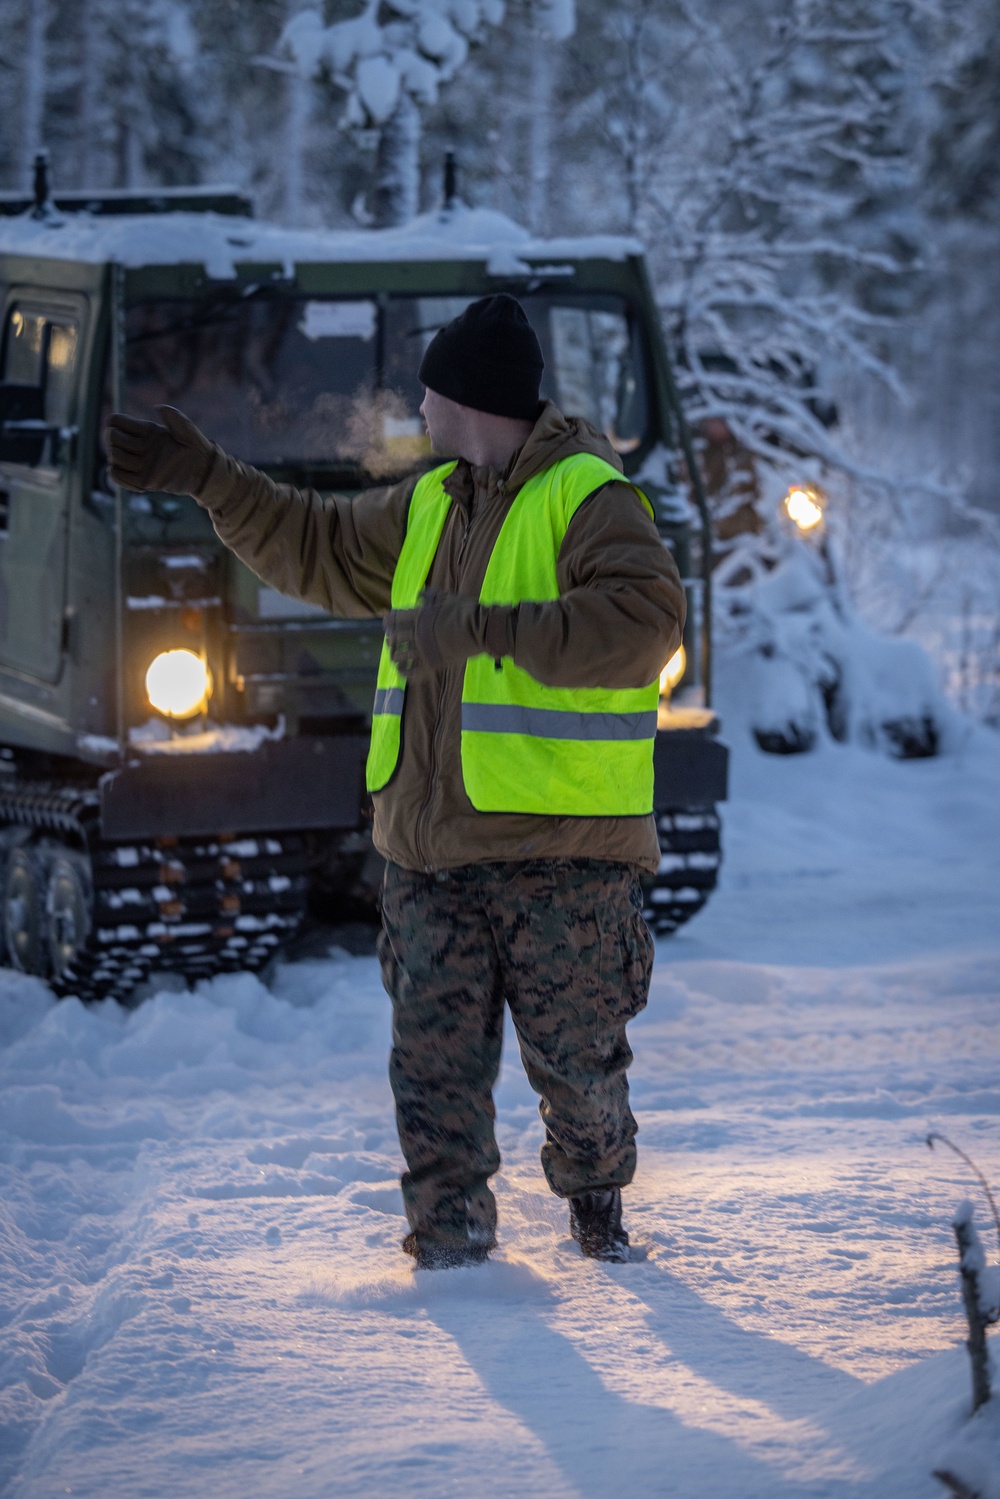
<point>529,606</point>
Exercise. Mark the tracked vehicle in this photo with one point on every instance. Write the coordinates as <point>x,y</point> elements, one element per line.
<point>181,748</point>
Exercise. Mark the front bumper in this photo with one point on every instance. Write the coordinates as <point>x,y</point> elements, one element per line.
<point>317,782</point>
<point>309,782</point>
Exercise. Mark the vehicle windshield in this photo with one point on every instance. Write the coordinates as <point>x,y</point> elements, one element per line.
<point>332,384</point>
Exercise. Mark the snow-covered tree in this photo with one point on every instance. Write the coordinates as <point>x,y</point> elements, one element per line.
<point>258,123</point>
<point>119,90</point>
<point>749,150</point>
<point>298,103</point>
<point>390,61</point>
<point>769,156</point>
<point>504,115</point>
<point>551,22</point>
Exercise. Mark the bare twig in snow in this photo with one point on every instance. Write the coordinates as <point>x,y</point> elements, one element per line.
<point>959,1490</point>
<point>936,1135</point>
<point>972,1263</point>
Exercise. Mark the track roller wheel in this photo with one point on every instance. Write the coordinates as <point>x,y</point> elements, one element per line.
<point>24,921</point>
<point>67,913</point>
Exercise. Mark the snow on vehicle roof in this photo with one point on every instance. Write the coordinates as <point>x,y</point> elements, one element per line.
<point>221,242</point>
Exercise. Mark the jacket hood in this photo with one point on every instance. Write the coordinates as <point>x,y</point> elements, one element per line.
<point>554,437</point>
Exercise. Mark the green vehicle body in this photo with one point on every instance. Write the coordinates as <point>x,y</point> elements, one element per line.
<point>130,843</point>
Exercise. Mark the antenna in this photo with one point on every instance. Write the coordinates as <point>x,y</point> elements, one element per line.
<point>450,180</point>
<point>41,186</point>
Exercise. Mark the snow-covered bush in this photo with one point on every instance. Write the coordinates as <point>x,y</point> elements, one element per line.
<point>920,563</point>
<point>795,661</point>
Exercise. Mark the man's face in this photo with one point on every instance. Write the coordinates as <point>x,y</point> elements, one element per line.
<point>445,423</point>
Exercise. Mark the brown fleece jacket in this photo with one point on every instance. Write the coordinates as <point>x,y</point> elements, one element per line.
<point>618,619</point>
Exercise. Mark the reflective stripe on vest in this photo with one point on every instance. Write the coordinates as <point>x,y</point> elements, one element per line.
<point>555,723</point>
<point>583,752</point>
<point>389,700</point>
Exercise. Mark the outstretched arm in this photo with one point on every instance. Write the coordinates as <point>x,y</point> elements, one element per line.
<point>337,552</point>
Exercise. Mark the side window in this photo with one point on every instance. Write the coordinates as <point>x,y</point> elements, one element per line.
<point>24,348</point>
<point>598,371</point>
<point>60,372</point>
<point>39,373</point>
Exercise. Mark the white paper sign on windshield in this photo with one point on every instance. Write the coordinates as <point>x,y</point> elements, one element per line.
<point>338,320</point>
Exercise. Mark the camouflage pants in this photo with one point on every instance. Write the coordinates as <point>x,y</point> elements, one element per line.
<point>563,943</point>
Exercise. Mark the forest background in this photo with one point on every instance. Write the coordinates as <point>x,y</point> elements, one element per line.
<point>816,182</point>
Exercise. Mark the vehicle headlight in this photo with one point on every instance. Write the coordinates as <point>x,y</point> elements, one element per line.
<point>178,684</point>
<point>804,507</point>
<point>673,671</point>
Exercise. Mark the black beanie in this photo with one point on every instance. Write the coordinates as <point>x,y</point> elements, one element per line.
<point>487,358</point>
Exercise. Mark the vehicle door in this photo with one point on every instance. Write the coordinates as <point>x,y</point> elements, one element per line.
<point>39,363</point>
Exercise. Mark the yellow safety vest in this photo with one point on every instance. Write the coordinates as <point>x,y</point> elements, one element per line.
<point>566,751</point>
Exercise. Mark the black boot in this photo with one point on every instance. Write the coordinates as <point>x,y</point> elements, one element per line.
<point>438,1254</point>
<point>595,1221</point>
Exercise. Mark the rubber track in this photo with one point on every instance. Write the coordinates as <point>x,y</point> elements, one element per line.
<point>690,856</point>
<point>194,906</point>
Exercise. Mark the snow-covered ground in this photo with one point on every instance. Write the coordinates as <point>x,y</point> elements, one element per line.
<point>201,1287</point>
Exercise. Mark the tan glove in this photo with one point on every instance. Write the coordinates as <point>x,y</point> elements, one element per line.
<point>445,630</point>
<point>172,459</point>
